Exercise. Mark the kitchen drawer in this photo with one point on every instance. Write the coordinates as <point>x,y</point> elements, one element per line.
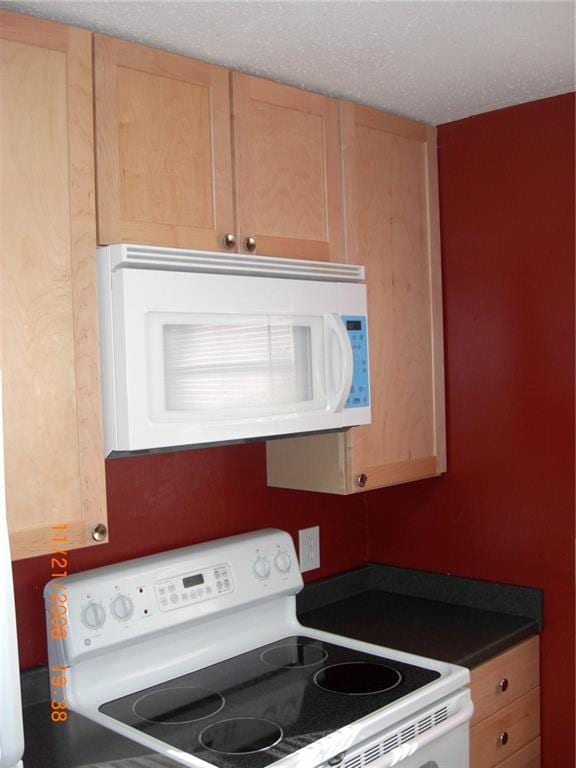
<point>500,681</point>
<point>519,723</point>
<point>527,757</point>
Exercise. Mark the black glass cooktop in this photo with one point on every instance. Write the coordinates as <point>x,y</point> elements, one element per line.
<point>256,708</point>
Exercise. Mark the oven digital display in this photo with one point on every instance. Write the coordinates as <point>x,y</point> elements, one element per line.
<point>193,581</point>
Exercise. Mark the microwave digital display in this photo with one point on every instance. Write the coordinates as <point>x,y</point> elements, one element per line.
<point>193,581</point>
<point>353,325</point>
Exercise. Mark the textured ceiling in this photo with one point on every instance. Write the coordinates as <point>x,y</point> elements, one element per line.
<point>431,60</point>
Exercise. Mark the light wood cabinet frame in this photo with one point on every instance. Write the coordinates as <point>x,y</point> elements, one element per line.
<point>519,667</point>
<point>364,441</point>
<point>527,757</point>
<point>385,452</point>
<point>506,696</point>
<point>520,721</point>
<point>47,248</point>
<point>214,191</point>
<point>289,111</point>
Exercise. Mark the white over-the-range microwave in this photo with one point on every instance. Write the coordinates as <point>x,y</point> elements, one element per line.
<point>204,347</point>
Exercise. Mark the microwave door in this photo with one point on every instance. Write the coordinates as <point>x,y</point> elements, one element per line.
<point>225,367</point>
<point>200,359</point>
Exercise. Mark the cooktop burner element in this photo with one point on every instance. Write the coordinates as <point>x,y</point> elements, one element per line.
<point>174,706</point>
<point>240,735</point>
<point>294,655</point>
<point>277,699</point>
<point>358,678</point>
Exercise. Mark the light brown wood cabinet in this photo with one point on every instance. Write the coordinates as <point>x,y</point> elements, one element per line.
<point>505,727</point>
<point>392,227</point>
<point>48,331</point>
<point>287,170</point>
<point>170,171</point>
<point>163,151</point>
<point>176,166</point>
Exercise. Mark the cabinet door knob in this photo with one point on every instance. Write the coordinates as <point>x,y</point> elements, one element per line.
<point>99,532</point>
<point>503,684</point>
<point>503,738</point>
<point>229,240</point>
<point>361,480</point>
<point>250,243</point>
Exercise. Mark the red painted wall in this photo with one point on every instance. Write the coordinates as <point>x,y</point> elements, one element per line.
<point>169,500</point>
<point>505,509</point>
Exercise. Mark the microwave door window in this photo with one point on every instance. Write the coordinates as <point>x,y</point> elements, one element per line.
<point>227,366</point>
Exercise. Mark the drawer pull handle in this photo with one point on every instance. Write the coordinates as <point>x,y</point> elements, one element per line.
<point>503,684</point>
<point>503,738</point>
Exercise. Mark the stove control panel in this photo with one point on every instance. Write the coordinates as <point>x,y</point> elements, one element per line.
<point>261,567</point>
<point>283,562</point>
<point>188,588</point>
<point>272,564</point>
<point>123,603</point>
<point>122,607</point>
<point>93,615</point>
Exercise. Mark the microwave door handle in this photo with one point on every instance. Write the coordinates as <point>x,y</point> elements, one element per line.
<point>337,397</point>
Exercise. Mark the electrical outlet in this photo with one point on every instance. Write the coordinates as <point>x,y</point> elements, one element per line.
<point>309,546</point>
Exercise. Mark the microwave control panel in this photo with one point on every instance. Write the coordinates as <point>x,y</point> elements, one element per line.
<point>357,329</point>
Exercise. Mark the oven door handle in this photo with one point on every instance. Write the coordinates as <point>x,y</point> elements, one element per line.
<point>397,756</point>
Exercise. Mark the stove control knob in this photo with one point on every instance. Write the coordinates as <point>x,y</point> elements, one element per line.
<point>262,568</point>
<point>283,562</point>
<point>93,615</point>
<point>122,608</point>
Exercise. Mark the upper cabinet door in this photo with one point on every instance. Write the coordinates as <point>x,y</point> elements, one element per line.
<point>392,228</point>
<point>163,148</point>
<point>391,193</point>
<point>288,180</point>
<point>49,355</point>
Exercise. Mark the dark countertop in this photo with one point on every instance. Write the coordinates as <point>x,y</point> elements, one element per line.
<point>458,620</point>
<point>80,743</point>
<point>457,634</point>
<point>462,621</point>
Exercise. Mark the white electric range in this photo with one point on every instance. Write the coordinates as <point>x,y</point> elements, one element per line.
<point>198,654</point>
